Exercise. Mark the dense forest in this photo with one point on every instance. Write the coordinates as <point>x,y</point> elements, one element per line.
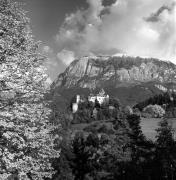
<point>120,151</point>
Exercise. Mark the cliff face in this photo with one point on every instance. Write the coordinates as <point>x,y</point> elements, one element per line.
<point>93,72</point>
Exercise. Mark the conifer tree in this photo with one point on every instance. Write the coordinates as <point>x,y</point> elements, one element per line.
<point>80,162</point>
<point>26,142</point>
<point>142,149</point>
<point>165,150</point>
<point>118,154</point>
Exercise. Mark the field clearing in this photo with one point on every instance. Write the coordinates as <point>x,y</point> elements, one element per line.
<point>149,125</point>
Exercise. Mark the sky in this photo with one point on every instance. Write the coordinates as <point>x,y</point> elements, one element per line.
<point>70,29</point>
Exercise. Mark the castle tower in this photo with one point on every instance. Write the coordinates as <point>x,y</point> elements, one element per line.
<point>74,107</point>
<point>76,104</point>
<point>78,98</point>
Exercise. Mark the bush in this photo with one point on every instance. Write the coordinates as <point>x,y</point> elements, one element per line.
<point>105,128</point>
<point>137,111</point>
<point>128,110</point>
<point>170,113</point>
<point>155,111</point>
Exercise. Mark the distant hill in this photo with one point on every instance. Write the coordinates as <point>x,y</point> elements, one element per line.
<point>131,79</point>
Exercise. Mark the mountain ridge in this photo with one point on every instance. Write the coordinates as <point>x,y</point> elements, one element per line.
<point>131,79</point>
<point>85,71</point>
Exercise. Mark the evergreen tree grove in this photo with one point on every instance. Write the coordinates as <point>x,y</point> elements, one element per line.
<point>26,141</point>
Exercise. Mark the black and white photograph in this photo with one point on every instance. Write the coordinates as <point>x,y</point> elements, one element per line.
<point>87,89</point>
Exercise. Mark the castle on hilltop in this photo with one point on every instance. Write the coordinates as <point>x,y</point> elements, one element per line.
<point>101,97</point>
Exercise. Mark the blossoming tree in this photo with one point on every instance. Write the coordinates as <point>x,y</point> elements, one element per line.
<point>26,139</point>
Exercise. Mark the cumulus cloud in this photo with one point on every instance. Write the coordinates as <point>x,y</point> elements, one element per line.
<point>53,66</point>
<point>79,32</point>
<point>47,50</point>
<point>154,17</point>
<point>134,27</point>
<point>66,56</point>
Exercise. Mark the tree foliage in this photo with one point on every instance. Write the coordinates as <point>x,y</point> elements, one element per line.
<point>167,99</point>
<point>141,150</point>
<point>154,110</point>
<point>119,150</point>
<point>165,151</point>
<point>26,142</point>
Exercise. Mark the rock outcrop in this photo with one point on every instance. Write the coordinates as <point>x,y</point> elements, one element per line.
<point>92,72</point>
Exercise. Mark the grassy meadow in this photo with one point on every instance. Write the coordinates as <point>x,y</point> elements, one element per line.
<point>150,124</point>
